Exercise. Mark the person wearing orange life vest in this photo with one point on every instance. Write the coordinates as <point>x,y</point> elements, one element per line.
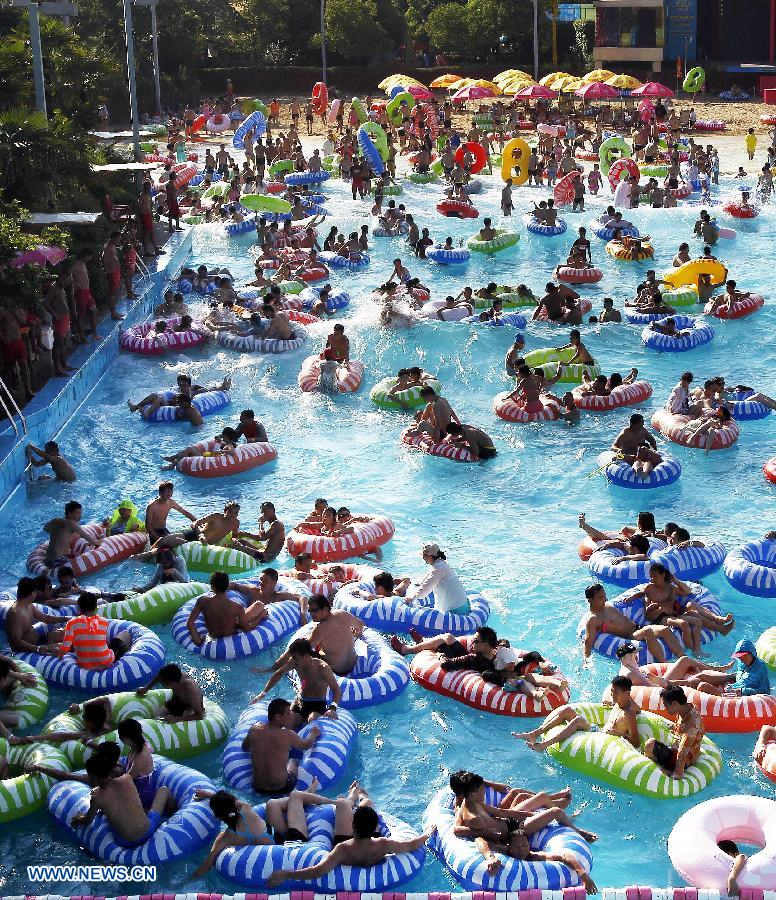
<point>86,636</point>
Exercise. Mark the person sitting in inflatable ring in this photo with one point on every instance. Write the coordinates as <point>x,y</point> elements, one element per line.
<point>123,519</point>
<point>688,733</point>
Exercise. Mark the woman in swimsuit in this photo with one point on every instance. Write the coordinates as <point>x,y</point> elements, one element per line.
<point>139,761</point>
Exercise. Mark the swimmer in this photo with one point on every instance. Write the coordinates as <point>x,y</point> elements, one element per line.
<point>186,703</point>
<point>62,533</point>
<point>637,446</point>
<point>50,456</point>
<point>478,443</point>
<point>272,534</point>
<point>159,508</point>
<point>223,617</point>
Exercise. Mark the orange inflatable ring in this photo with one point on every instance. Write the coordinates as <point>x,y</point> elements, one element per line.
<point>738,211</point>
<point>573,275</point>
<point>769,470</point>
<point>320,97</point>
<point>243,458</point>
<point>366,536</point>
<point>624,395</point>
<point>512,411</point>
<point>84,558</point>
<point>672,427</point>
<point>719,714</point>
<point>348,376</point>
<point>477,151</point>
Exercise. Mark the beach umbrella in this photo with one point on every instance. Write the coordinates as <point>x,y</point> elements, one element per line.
<point>444,81</point>
<point>40,256</point>
<point>406,80</point>
<point>514,86</point>
<point>483,83</point>
<point>509,74</point>
<point>652,89</point>
<point>597,90</point>
<point>419,92</point>
<point>536,92</point>
<point>560,84</point>
<point>597,75</point>
<point>471,92</point>
<point>623,82</point>
<point>549,80</point>
<point>461,83</point>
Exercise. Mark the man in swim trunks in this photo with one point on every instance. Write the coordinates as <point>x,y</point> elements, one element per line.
<point>687,732</point>
<point>637,446</point>
<point>158,510</point>
<point>223,616</point>
<point>270,744</point>
<point>435,416</point>
<point>272,533</point>
<point>451,652</point>
<point>86,308</point>
<point>338,344</point>
<point>551,303</point>
<point>217,528</point>
<point>112,266</point>
<point>581,355</point>
<point>23,615</point>
<point>187,703</point>
<point>478,443</point>
<point>62,532</point>
<point>514,358</point>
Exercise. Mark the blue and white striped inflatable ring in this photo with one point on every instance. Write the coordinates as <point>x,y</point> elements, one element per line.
<point>631,605</point>
<point>393,614</point>
<point>514,319</point>
<point>467,864</point>
<point>235,228</point>
<point>281,619</point>
<point>745,410</point>
<point>325,760</point>
<point>198,179</point>
<point>275,216</point>
<point>307,177</point>
<point>208,402</point>
<point>135,668</point>
<point>602,564</point>
<point>637,318</point>
<point>751,568</point>
<point>187,831</point>
<point>544,230</point>
<point>253,344</point>
<point>607,234</point>
<point>336,301</point>
<point>252,865</point>
<point>379,675</point>
<point>622,475</point>
<point>692,563</point>
<point>700,334</point>
<point>446,257</point>
<point>335,261</point>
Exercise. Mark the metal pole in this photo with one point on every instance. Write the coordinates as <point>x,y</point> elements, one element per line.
<point>536,38</point>
<point>323,41</point>
<point>130,39</point>
<point>37,60</point>
<point>155,44</point>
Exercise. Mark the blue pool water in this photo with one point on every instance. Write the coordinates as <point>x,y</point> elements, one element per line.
<point>509,527</point>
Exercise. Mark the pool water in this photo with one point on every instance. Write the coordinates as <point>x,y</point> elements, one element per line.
<point>509,526</point>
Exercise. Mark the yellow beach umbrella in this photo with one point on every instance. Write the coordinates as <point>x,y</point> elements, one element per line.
<point>623,82</point>
<point>461,83</point>
<point>569,85</point>
<point>509,74</point>
<point>514,86</point>
<point>445,81</point>
<point>549,80</point>
<point>483,83</point>
<point>597,75</point>
<point>387,83</point>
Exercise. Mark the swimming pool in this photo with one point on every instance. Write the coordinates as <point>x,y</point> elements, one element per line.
<point>509,526</point>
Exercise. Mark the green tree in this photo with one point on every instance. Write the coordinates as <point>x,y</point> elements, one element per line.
<point>354,30</point>
<point>448,28</point>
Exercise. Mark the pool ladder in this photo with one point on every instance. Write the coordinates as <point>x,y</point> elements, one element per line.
<point>7,400</point>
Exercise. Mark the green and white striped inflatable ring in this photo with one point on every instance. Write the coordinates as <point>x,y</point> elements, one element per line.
<point>28,702</point>
<point>409,399</point>
<point>501,241</point>
<point>175,740</point>
<point>21,793</point>
<point>686,295</point>
<point>548,358</point>
<point>209,558</point>
<point>612,760</point>
<point>509,300</point>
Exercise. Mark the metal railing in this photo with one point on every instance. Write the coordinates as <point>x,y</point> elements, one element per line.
<point>6,399</point>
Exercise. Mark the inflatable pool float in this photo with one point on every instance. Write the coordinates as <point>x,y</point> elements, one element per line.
<point>393,614</point>
<point>686,295</point>
<point>574,275</point>
<point>190,829</point>
<point>607,234</point>
<point>705,125</point>
<point>612,760</point>
<point>334,302</point>
<point>24,793</point>
<point>625,395</point>
<point>243,458</point>
<point>403,400</point>
<point>634,317</point>
<point>251,865</point>
<point>769,470</point>
<point>739,211</point>
<point>282,618</point>
<point>751,568</point>
<point>543,230</point>
<point>242,227</point>
<point>766,650</point>
<point>206,403</point>
<point>603,565</point>
<point>28,701</point>
<point>84,558</point>
<point>209,558</point>
<point>745,410</point>
<point>349,375</point>
<point>746,819</point>
<point>144,339</point>
<point>513,319</point>
<point>688,273</point>
<point>320,582</point>
<point>547,359</point>
<point>336,261</point>
<point>673,427</point>
<point>509,300</point>
<point>133,670</point>
<point>720,714</point>
<point>445,449</point>
<point>699,335</point>
<point>692,563</point>
<point>174,740</point>
<point>306,177</point>
<point>446,257</point>
<point>366,536</point>
<point>467,864</point>
<point>469,688</point>
<point>457,209</point>
<point>324,761</point>
<point>501,241</point>
<point>631,605</point>
<point>738,310</point>
<point>422,177</point>
<point>618,250</point>
<point>380,673</point>
<point>587,546</point>
<point>512,411</point>
<point>252,343</point>
<point>622,474</point>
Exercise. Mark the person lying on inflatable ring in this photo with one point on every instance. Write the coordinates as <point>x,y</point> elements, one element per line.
<point>601,386</point>
<point>724,302</point>
<point>475,440</point>
<point>708,425</point>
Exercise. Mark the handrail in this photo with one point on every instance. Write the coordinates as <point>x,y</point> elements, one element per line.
<point>15,405</point>
<point>10,417</point>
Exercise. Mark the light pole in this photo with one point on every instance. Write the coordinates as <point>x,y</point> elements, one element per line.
<point>536,38</point>
<point>130,39</point>
<point>155,45</point>
<point>323,41</point>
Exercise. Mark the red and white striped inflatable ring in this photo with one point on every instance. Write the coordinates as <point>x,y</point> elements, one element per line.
<point>512,411</point>
<point>622,168</point>
<point>586,155</point>
<point>303,318</point>
<point>143,338</point>
<point>85,558</point>
<point>719,714</point>
<point>313,273</point>
<point>769,470</point>
<point>682,192</point>
<point>306,538</point>
<point>243,458</point>
<point>573,275</point>
<point>743,307</point>
<point>319,581</point>
<point>584,305</point>
<point>349,376</point>
<point>624,395</point>
<point>445,449</point>
<point>468,686</point>
<point>672,427</point>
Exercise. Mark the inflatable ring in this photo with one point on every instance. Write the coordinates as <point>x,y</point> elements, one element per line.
<point>143,338</point>
<point>190,829</point>
<point>563,192</point>
<point>513,319</point>
<point>469,688</point>
<point>319,582</point>
<point>544,230</point>
<point>699,334</point>
<point>686,563</point>
<point>619,250</point>
<point>243,458</point>
<point>444,256</point>
<point>751,568</point>
<point>394,614</point>
<point>547,359</point>
<point>282,618</point>
<point>631,605</point>
<point>218,123</point>
<point>688,272</point>
<point>673,427</point>
<point>625,395</point>
<point>252,343</point>
<point>366,536</point>
<point>393,107</point>
<point>28,701</point>
<point>693,82</point>
<point>335,301</point>
<point>335,261</point>
<point>610,151</point>
<point>280,167</point>
<point>477,151</point>
<point>21,795</point>
<point>334,111</point>
<point>174,740</point>
<point>206,403</point>
<point>509,300</point>
<point>320,98</point>
<point>621,169</point>
<point>641,318</point>
<point>739,211</point>
<point>602,563</point>
<point>445,449</point>
<point>501,241</point>
<point>769,470</point>
<point>512,411</point>
<point>250,865</point>
<point>766,650</point>
<point>686,295</point>
<point>325,760</point>
<point>606,234</point>
<point>515,156</point>
<point>377,135</point>
<point>294,179</point>
<point>349,376</point>
<point>235,228</point>
<point>457,209</point>
<point>651,170</point>
<point>682,192</point>
<point>209,558</point>
<point>421,178</point>
<point>574,275</point>
<point>256,121</point>
<point>612,760</point>
<point>84,558</point>
<point>743,307</point>
<point>265,203</point>
<point>403,400</point>
<point>467,864</point>
<point>622,474</point>
<point>133,670</point>
<point>745,410</point>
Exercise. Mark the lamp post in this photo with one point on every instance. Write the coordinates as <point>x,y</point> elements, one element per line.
<point>536,38</point>
<point>323,41</point>
<point>155,45</point>
<point>130,40</point>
